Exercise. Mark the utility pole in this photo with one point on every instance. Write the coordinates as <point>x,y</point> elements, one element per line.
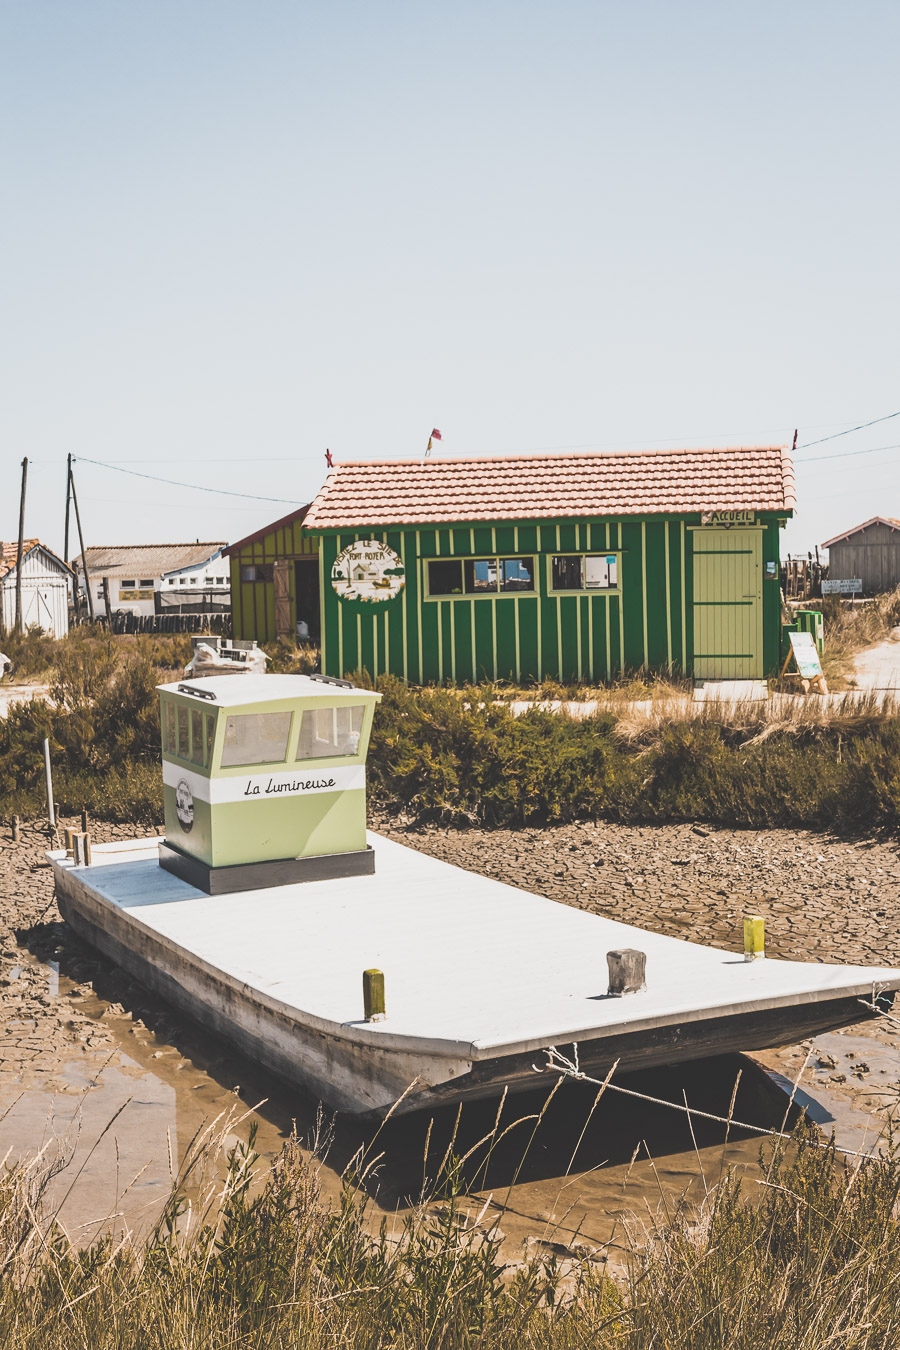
<point>87,580</point>
<point>21,545</point>
<point>68,499</point>
<point>66,536</point>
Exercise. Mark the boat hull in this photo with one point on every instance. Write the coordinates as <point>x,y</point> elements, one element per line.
<point>362,1078</point>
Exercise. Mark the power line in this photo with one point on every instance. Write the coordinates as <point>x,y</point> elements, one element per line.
<point>848,454</point>
<point>849,432</point>
<point>194,487</point>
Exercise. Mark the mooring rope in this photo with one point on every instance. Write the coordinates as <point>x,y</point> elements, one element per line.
<point>569,1068</point>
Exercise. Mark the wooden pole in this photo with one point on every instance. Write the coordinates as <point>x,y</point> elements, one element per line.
<point>68,499</point>
<point>84,568</point>
<point>51,809</point>
<point>21,546</point>
<point>106,602</point>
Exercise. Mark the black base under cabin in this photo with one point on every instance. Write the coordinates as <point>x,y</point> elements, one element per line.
<point>259,875</point>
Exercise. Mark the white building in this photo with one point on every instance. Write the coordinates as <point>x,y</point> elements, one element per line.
<point>46,583</point>
<point>134,574</point>
<point>203,587</point>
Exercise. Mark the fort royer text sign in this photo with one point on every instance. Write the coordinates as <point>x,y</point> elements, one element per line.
<point>264,786</point>
<point>368,571</point>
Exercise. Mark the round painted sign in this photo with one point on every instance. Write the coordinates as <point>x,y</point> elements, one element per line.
<point>184,806</point>
<point>368,572</point>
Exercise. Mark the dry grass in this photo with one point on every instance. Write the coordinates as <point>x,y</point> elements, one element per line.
<point>250,1258</point>
<point>753,721</point>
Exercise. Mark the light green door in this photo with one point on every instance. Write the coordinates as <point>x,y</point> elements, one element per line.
<point>728,631</point>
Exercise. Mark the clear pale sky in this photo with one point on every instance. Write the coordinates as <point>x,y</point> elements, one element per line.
<point>235,233</point>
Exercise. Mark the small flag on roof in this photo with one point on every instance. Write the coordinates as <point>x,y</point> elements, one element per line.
<point>329,459</point>
<point>435,436</point>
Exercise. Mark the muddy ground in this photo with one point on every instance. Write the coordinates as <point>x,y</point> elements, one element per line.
<point>79,1039</point>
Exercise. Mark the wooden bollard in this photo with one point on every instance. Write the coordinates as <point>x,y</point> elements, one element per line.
<point>70,847</point>
<point>16,830</point>
<point>373,995</point>
<point>627,972</point>
<point>754,937</point>
<point>83,821</point>
<point>81,848</point>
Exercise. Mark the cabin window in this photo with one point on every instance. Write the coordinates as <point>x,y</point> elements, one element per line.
<point>193,581</point>
<point>256,738</point>
<point>197,736</point>
<point>445,577</point>
<point>480,576</point>
<point>171,745</point>
<point>126,585</point>
<point>184,737</point>
<point>584,572</point>
<point>328,732</point>
<point>517,574</point>
<point>146,581</point>
<point>257,572</point>
<point>182,581</point>
<point>210,733</point>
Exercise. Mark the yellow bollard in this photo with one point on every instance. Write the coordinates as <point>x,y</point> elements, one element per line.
<point>754,937</point>
<point>373,995</point>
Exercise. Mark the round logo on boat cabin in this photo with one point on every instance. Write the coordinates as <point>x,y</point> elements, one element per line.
<point>184,806</point>
<point>368,573</point>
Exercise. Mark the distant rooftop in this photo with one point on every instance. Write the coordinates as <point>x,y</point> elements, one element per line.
<point>857,529</point>
<point>9,552</point>
<point>149,559</point>
<point>561,486</point>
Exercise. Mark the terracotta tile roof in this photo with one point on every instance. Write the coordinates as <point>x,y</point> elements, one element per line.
<point>539,487</point>
<point>9,552</point>
<point>857,529</point>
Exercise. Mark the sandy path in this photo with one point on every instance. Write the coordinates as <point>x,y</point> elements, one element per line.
<point>878,667</point>
<point>20,693</point>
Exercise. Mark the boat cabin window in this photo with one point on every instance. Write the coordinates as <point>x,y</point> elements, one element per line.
<point>171,744</point>
<point>328,732</point>
<point>210,733</point>
<point>184,736</point>
<point>256,738</point>
<point>197,736</point>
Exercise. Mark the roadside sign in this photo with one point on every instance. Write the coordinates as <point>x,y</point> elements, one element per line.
<point>806,654</point>
<point>846,586</point>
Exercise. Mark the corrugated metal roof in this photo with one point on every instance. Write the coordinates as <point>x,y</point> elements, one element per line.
<point>876,520</point>
<point>146,559</point>
<point>552,487</point>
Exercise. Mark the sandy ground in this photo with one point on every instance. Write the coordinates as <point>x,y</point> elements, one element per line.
<point>20,693</point>
<point>878,667</point>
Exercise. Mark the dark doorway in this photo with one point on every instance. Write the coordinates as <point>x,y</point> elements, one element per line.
<point>306,589</point>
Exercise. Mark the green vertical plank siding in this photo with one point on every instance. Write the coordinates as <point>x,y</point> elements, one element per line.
<point>655,581</point>
<point>522,637</point>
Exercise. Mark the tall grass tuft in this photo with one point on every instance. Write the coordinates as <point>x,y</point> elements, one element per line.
<point>807,1256</point>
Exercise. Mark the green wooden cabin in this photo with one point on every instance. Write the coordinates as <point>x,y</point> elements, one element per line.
<point>570,567</point>
<point>275,583</point>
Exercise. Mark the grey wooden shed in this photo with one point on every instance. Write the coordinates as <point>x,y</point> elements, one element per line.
<point>870,551</point>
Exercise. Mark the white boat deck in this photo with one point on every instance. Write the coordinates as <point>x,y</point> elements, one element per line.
<point>471,966</point>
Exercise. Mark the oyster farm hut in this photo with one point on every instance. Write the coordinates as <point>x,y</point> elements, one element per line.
<point>563,566</point>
